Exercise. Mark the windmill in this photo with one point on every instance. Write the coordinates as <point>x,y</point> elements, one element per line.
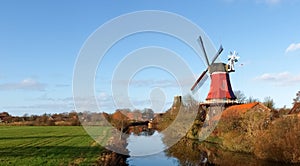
<point>220,87</point>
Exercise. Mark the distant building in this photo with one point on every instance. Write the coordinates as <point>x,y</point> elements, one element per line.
<point>118,115</point>
<point>134,116</point>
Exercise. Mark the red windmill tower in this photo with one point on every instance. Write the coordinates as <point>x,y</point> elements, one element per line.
<point>220,87</point>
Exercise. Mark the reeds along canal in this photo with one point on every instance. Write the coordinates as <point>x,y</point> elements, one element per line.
<point>146,146</point>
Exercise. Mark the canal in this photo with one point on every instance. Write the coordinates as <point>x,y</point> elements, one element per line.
<point>147,148</point>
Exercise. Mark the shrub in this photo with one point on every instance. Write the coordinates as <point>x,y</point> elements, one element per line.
<point>281,141</point>
<point>238,128</point>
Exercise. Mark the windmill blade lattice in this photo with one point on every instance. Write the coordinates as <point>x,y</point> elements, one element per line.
<point>199,82</point>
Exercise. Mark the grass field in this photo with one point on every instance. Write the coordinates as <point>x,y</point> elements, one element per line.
<point>47,145</point>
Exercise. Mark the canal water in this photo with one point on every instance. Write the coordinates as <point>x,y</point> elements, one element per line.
<point>147,148</point>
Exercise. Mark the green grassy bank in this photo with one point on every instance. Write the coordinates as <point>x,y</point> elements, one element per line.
<point>47,145</point>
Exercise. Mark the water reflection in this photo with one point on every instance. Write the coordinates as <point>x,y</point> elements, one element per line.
<point>157,160</point>
<point>147,148</point>
<point>143,143</point>
<point>141,130</point>
<point>193,153</point>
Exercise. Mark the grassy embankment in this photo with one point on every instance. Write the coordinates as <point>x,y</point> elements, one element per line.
<point>249,130</point>
<point>47,145</point>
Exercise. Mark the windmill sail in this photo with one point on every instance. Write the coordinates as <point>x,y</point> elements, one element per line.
<point>217,54</point>
<point>203,49</point>
<point>199,82</point>
<point>199,79</point>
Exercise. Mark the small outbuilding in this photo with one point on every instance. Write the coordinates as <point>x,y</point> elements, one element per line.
<point>237,110</point>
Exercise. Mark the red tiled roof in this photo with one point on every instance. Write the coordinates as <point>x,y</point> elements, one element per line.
<point>119,116</point>
<point>238,109</point>
<point>243,107</point>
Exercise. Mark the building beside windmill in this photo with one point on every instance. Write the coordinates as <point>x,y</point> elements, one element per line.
<point>238,110</point>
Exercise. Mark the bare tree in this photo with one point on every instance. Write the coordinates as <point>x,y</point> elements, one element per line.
<point>269,102</point>
<point>137,114</point>
<point>240,96</point>
<point>148,114</point>
<point>252,99</point>
<point>297,98</point>
<point>189,101</point>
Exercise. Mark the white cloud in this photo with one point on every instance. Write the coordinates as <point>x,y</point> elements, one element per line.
<point>62,85</point>
<point>105,102</point>
<point>281,79</point>
<point>103,96</point>
<point>293,47</point>
<point>26,84</point>
<point>162,83</point>
<point>39,109</point>
<point>45,97</point>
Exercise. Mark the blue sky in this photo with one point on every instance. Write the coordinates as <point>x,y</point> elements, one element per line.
<point>40,41</point>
